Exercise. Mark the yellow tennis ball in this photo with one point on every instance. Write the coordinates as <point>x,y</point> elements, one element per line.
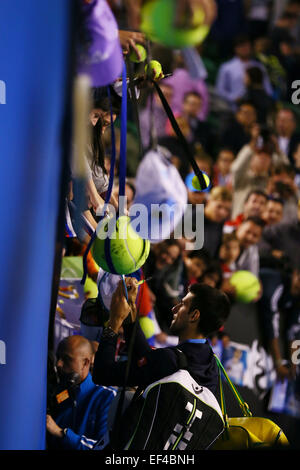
<point>90,288</point>
<point>158,22</point>
<point>246,284</point>
<point>147,326</point>
<point>133,55</point>
<point>118,248</point>
<point>154,66</point>
<point>196,182</point>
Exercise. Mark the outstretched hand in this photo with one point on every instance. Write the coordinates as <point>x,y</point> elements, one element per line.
<point>120,307</point>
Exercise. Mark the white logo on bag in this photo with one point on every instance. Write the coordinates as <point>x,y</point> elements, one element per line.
<point>187,436</point>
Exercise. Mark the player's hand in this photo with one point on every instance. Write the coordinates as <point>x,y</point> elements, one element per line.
<point>129,39</point>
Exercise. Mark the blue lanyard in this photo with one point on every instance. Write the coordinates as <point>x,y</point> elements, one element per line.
<point>200,341</point>
<point>122,176</point>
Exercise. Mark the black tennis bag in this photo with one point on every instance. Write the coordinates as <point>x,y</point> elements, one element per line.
<point>174,413</point>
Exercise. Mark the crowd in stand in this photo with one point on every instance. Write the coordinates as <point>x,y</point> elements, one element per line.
<point>244,132</point>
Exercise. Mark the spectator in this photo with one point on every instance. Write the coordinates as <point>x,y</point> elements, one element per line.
<point>182,83</point>
<point>256,94</point>
<point>238,132</point>
<point>216,211</point>
<point>200,130</point>
<point>254,205</point>
<point>250,170</point>
<point>275,70</point>
<point>288,137</point>
<point>222,175</point>
<point>164,266</point>
<point>282,241</point>
<point>274,211</point>
<point>282,182</point>
<point>230,83</point>
<point>80,422</point>
<point>195,263</point>
<point>249,234</point>
<point>290,62</point>
<point>281,31</point>
<point>212,275</point>
<point>229,253</point>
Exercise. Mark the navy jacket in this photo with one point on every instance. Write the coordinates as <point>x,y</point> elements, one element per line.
<point>149,365</point>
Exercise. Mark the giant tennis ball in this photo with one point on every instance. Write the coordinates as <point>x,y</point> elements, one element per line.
<point>147,326</point>
<point>158,22</point>
<point>133,56</point>
<point>246,284</point>
<point>118,248</point>
<point>196,182</point>
<point>154,66</point>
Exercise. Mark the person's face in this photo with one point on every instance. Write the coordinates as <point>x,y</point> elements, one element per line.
<point>246,115</point>
<point>217,210</point>
<point>98,113</point>
<point>273,213</point>
<point>181,314</point>
<point>234,249</point>
<point>285,123</point>
<point>191,106</point>
<point>243,51</point>
<point>255,205</point>
<point>260,163</point>
<point>167,256</point>
<point>248,234</point>
<point>211,279</point>
<point>261,45</point>
<point>224,161</point>
<point>69,361</point>
<point>196,267</point>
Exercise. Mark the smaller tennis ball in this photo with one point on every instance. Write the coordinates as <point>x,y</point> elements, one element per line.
<point>90,288</point>
<point>133,55</point>
<point>196,182</point>
<point>147,326</point>
<point>154,66</point>
<point>246,284</point>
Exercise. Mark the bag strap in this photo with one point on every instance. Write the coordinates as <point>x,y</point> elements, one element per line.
<point>180,136</point>
<point>243,405</point>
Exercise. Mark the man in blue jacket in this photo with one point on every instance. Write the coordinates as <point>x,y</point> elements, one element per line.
<point>81,418</point>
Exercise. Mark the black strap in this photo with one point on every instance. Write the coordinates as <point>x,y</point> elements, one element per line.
<point>181,359</point>
<point>180,136</point>
<point>134,103</point>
